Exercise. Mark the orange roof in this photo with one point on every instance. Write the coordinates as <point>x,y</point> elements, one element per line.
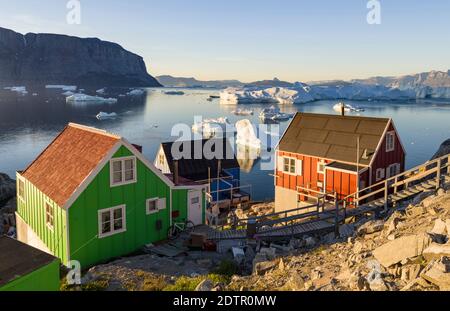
<point>63,166</point>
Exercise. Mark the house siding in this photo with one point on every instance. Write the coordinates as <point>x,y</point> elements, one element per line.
<point>32,211</point>
<point>86,247</point>
<point>383,159</point>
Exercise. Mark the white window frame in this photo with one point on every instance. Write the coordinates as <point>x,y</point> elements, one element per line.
<point>111,171</point>
<point>397,170</point>
<point>49,225</point>
<point>21,180</point>
<point>390,135</point>
<point>319,163</point>
<point>290,166</point>
<point>111,219</point>
<point>382,174</point>
<point>160,205</point>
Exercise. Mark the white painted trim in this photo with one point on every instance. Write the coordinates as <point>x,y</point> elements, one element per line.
<point>20,178</point>
<point>49,202</point>
<point>147,211</point>
<point>111,211</point>
<point>296,163</point>
<point>67,236</point>
<point>382,176</point>
<point>390,133</point>
<point>123,182</point>
<point>321,162</point>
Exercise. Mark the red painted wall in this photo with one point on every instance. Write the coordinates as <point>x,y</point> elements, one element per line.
<point>383,159</point>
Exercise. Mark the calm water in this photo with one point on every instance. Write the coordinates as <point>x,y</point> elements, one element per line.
<point>28,124</point>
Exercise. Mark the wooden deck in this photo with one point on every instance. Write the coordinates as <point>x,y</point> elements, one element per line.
<point>330,215</point>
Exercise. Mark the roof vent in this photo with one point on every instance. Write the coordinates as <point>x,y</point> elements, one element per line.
<point>367,154</point>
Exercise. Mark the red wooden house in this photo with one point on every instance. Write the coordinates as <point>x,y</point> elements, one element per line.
<point>320,152</point>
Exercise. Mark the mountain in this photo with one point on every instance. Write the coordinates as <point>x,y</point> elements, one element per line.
<point>170,81</point>
<point>60,59</point>
<point>270,83</point>
<point>433,79</point>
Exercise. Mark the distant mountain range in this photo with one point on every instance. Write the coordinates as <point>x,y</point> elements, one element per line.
<point>60,59</point>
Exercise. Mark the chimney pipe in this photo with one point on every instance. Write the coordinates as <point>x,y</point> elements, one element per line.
<point>342,109</point>
<point>176,176</point>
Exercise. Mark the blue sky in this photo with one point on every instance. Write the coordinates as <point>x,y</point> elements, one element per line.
<point>249,40</point>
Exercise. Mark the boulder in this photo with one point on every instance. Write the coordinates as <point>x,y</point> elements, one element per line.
<point>439,275</point>
<point>443,150</point>
<point>402,248</point>
<point>7,187</point>
<point>205,286</point>
<point>440,227</point>
<point>436,251</point>
<point>296,282</point>
<point>260,268</point>
<point>371,227</point>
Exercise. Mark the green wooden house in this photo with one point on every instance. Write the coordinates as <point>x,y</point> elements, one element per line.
<point>92,196</point>
<point>25,268</point>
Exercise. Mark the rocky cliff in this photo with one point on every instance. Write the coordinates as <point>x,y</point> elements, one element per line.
<point>60,59</point>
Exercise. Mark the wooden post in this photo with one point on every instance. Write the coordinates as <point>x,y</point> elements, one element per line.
<point>386,194</point>
<point>395,184</point>
<point>336,216</point>
<point>438,174</point>
<point>345,209</point>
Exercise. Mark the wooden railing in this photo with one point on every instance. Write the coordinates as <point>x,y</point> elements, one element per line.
<point>392,185</point>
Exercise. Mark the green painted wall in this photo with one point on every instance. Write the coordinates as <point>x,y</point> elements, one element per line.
<point>44,279</point>
<point>32,211</point>
<point>86,247</point>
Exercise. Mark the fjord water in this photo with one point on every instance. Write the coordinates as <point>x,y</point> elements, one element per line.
<point>29,123</point>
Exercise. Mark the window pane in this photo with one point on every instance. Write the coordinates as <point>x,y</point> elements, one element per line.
<point>129,175</point>
<point>152,205</point>
<point>117,177</point>
<point>117,166</point>
<point>106,227</point>
<point>195,200</point>
<point>106,216</point>
<point>118,213</point>
<point>129,164</point>
<point>118,224</point>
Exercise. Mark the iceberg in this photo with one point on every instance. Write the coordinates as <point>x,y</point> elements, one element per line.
<point>347,108</point>
<point>214,127</point>
<point>274,95</point>
<point>21,90</point>
<point>68,93</point>
<point>136,92</point>
<point>246,135</point>
<point>274,114</point>
<point>83,98</point>
<point>101,91</point>
<point>242,112</point>
<point>62,87</point>
<point>104,115</point>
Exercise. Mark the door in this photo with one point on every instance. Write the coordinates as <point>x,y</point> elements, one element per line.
<point>195,207</point>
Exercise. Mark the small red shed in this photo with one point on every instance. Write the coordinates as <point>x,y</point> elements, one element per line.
<point>320,152</point>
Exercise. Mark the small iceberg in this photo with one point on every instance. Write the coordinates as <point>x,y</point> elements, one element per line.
<point>246,135</point>
<point>83,98</point>
<point>72,88</point>
<point>242,112</point>
<point>21,90</point>
<point>105,116</point>
<point>136,92</point>
<point>274,114</point>
<point>347,108</point>
<point>213,127</point>
<point>101,91</point>
<point>174,93</point>
<point>68,93</point>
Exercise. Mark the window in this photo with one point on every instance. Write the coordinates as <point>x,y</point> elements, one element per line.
<point>161,159</point>
<point>393,170</point>
<point>111,221</point>
<point>155,205</point>
<point>321,167</point>
<point>49,215</point>
<point>380,174</point>
<point>21,189</point>
<point>195,200</point>
<point>390,141</point>
<point>289,165</point>
<point>123,171</point>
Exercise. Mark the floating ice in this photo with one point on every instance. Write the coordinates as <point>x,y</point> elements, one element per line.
<point>136,92</point>
<point>21,90</point>
<point>174,93</point>
<point>242,112</point>
<point>246,135</point>
<point>104,115</point>
<point>101,91</point>
<point>83,98</point>
<point>68,93</point>
<point>347,108</point>
<point>273,113</point>
<point>62,87</point>
<point>213,127</point>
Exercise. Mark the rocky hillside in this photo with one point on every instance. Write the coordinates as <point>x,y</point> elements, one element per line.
<point>58,59</point>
